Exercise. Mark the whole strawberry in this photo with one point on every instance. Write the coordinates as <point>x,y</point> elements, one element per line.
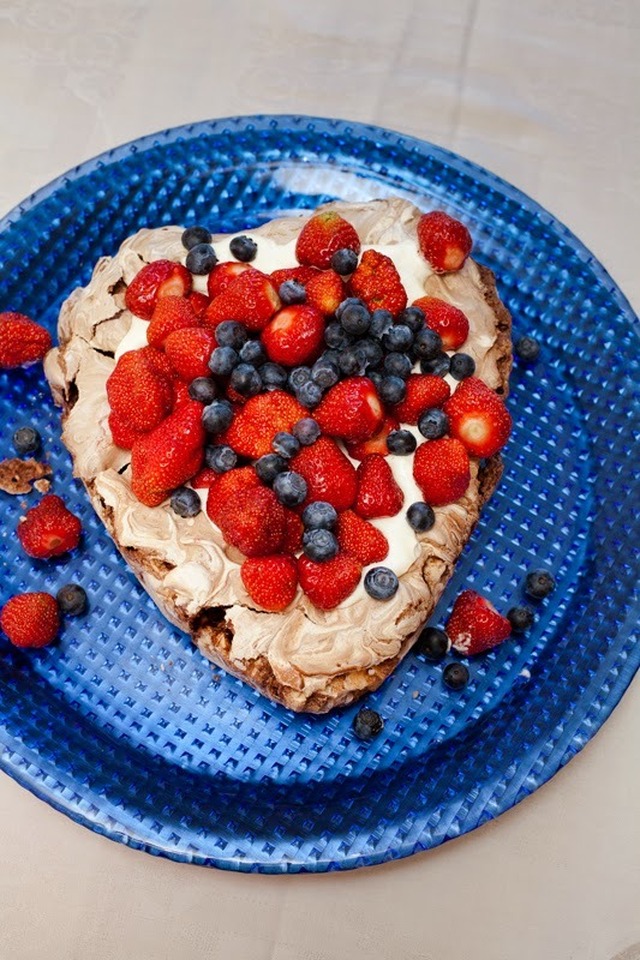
<point>376,281</point>
<point>327,584</point>
<point>478,418</point>
<point>445,242</point>
<point>169,314</point>
<point>475,625</point>
<point>325,292</point>
<point>270,581</point>
<point>442,471</point>
<point>424,390</point>
<point>351,410</point>
<point>361,539</point>
<point>378,493</point>
<point>30,619</point>
<point>49,529</point>
<point>323,235</point>
<point>254,427</point>
<point>448,321</point>
<point>139,390</point>
<point>223,274</point>
<point>189,351</point>
<point>169,455</point>
<point>329,474</point>
<point>22,341</point>
<point>162,278</point>
<point>224,487</point>
<point>253,522</point>
<point>251,299</point>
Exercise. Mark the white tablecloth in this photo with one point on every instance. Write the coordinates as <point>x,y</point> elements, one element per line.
<point>544,94</point>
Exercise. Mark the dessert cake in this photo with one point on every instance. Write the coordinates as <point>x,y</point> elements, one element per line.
<point>290,433</point>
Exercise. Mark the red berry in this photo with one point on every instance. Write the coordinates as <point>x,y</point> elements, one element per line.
<point>31,619</point>
<point>351,410</point>
<point>254,426</point>
<point>170,313</point>
<point>181,394</point>
<point>445,243</point>
<point>162,278</point>
<point>224,487</point>
<point>376,281</point>
<point>478,418</point>
<point>199,303</point>
<point>22,340</point>
<point>328,584</point>
<point>49,529</point>
<point>251,299</point>
<point>122,434</point>
<point>329,474</point>
<point>445,319</point>
<point>207,478</point>
<point>140,390</point>
<point>271,581</point>
<point>441,470</point>
<point>223,274</point>
<point>325,292</point>
<point>253,521</point>
<point>358,450</point>
<point>361,539</point>
<point>301,274</point>
<point>475,625</point>
<point>168,456</point>
<point>295,335</point>
<point>323,235</point>
<point>293,530</point>
<point>424,390</point>
<point>378,493</point>
<point>189,351</point>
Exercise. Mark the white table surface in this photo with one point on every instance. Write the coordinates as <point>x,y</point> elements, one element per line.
<point>545,94</point>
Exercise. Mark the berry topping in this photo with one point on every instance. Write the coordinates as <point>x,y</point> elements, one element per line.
<point>354,317</point>
<point>251,298</point>
<point>412,317</point>
<point>392,390</point>
<point>377,282</point>
<point>290,488</point>
<point>139,389</point>
<point>539,584</point>
<point>323,235</point>
<point>478,418</point>
<point>521,619</point>
<point>72,600</point>
<point>201,259</point>
<point>381,583</point>
<point>381,323</point>
<point>361,539</point>
<point>170,313</point>
<point>325,373</point>
<point>189,352</point>
<point>455,676</point>
<point>444,242</point>
<point>230,333</point>
<point>295,335</point>
<point>199,303</point>
<point>26,440</point>
<point>433,643</point>
<point>319,545</point>
<point>192,236</point>
<point>168,456</point>
<point>375,444</point>
<point>327,584</point>
<point>253,352</point>
<point>223,275</point>
<point>378,493</point>
<point>325,291</point>
<point>274,377</point>
<point>223,361</point>
<point>217,416</point>
<point>438,366</point>
<point>245,380</point>
<point>220,458</point>
<point>243,248</point>
<point>401,443</point>
<point>49,529</point>
<point>433,423</point>
<point>420,517</point>
<point>475,625</point>
<point>399,337</point>
<point>300,274</point>
<point>269,466</point>
<point>329,474</point>
<point>204,390</point>
<point>162,278</point>
<point>351,410</point>
<point>319,515</point>
<point>30,619</point>
<point>292,291</point>
<point>286,444</point>
<point>270,581</point>
<point>256,424</point>
<point>309,394</point>
<point>450,323</point>
<point>367,724</point>
<point>293,530</point>
<point>441,470</point>
<point>461,366</point>
<point>122,434</point>
<point>185,502</point>
<point>397,365</point>
<point>344,261</point>
<point>427,344</point>
<point>527,348</point>
<point>226,487</point>
<point>306,431</point>
<point>22,341</point>
<point>253,521</point>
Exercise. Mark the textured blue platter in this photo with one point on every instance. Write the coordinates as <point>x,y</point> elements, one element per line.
<point>125,728</point>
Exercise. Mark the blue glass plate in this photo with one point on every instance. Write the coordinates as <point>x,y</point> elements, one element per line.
<point>124,727</point>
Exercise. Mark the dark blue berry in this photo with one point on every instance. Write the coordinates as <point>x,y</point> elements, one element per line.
<point>273,375</point>
<point>285,444</point>
<point>290,488</point>
<point>461,366</point>
<point>223,361</point>
<point>421,516</point>
<point>309,394</point>
<point>192,236</point>
<point>521,619</point>
<point>26,440</point>
<point>335,337</point>
<point>349,302</point>
<point>539,584</point>
<point>433,643</point>
<point>344,261</point>
<point>185,502</point>
<point>299,376</point>
<point>455,676</point>
<point>306,431</point>
<point>72,599</point>
<point>412,317</point>
<point>319,515</point>
<point>401,442</point>
<point>355,320</point>
<point>230,333</point>
<point>381,322</point>
<point>438,365</point>
<point>433,423</point>
<point>398,337</point>
<point>243,248</point>
<point>202,389</point>
<point>217,416</point>
<point>220,458</point>
<point>269,466</point>
<point>319,545</point>
<point>397,365</point>
<point>201,259</point>
<point>292,291</point>
<point>330,356</point>
<point>325,373</point>
<point>381,583</point>
<point>253,352</point>
<point>392,390</point>
<point>367,724</point>
<point>351,362</point>
<point>246,380</point>
<point>376,379</point>
<point>369,352</point>
<point>427,344</point>
<point>527,348</point>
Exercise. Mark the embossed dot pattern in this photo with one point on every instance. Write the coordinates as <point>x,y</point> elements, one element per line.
<point>126,728</point>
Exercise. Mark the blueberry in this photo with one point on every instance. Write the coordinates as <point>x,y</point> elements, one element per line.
<point>401,442</point>
<point>319,515</point>
<point>243,248</point>
<point>290,488</point>
<point>412,317</point>
<point>369,352</point>
<point>355,319</point>
<point>220,458</point>
<point>455,676</point>
<point>520,618</point>
<point>185,502</point>
<point>253,352</point>
<point>26,440</point>
<point>273,375</point>
<point>367,724</point>
<point>397,365</point>
<point>299,376</point>
<point>246,380</point>
<point>539,584</point>
<point>325,373</point>
<point>349,302</point>
<point>376,379</point>
<point>285,444</point>
<point>217,416</point>
<point>461,366</point>
<point>527,348</point>
<point>335,337</point>
<point>306,431</point>
<point>398,337</point>
<point>230,333</point>
<point>223,361</point>
<point>269,466</point>
<point>72,600</point>
<point>433,423</point>
<point>344,261</point>
<point>202,389</point>
<point>319,545</point>
<point>201,258</point>
<point>330,356</point>
<point>438,365</point>
<point>427,344</point>
<point>309,394</point>
<point>433,643</point>
<point>381,321</point>
<point>392,390</point>
<point>351,363</point>
<point>192,236</point>
<point>381,583</point>
<point>292,291</point>
<point>421,516</point>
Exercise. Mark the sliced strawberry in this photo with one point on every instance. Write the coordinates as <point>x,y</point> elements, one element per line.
<point>189,351</point>
<point>444,242</point>
<point>22,341</point>
<point>271,581</point>
<point>162,278</point>
<point>224,487</point>
<point>293,530</point>
<point>169,456</point>
<point>254,426</point>
<point>301,274</point>
<point>251,299</point>
<point>170,313</point>
<point>424,391</point>
<point>361,539</point>
<point>441,470</point>
<point>325,292</point>
<point>140,389</point>
<point>351,410</point>
<point>376,281</point>
<point>445,319</point>
<point>122,434</point>
<point>329,474</point>
<point>475,625</point>
<point>328,584</point>
<point>223,274</point>
<point>199,302</point>
<point>31,620</point>
<point>253,521</point>
<point>478,418</point>
<point>378,493</point>
<point>295,335</point>
<point>323,235</point>
<point>375,444</point>
<point>49,529</point>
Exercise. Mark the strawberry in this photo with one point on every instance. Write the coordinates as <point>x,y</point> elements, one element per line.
<point>162,278</point>
<point>170,313</point>
<point>321,236</point>
<point>122,434</point>
<point>329,583</point>
<point>301,274</point>
<point>478,418</point>
<point>447,320</point>
<point>139,389</point>
<point>31,619</point>
<point>224,487</point>
<point>271,581</point>
<point>424,390</point>
<point>254,426</point>
<point>377,282</point>
<point>351,410</point>
<point>293,530</point>
<point>168,456</point>
<point>22,340</point>
<point>206,478</point>
<point>49,529</point>
<point>295,335</point>
<point>378,493</point>
<point>330,475</point>
<point>325,291</point>
<point>251,299</point>
<point>361,539</point>
<point>181,394</point>
<point>375,444</point>
<point>223,274</point>
<point>199,303</point>
<point>441,470</point>
<point>475,625</point>
<point>444,242</point>
<point>253,521</point>
<point>189,351</point>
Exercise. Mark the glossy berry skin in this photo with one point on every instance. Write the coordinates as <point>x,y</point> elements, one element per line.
<point>306,431</point>
<point>381,322</point>
<point>26,440</point>
<point>433,643</point>
<point>367,724</point>
<point>269,466</point>
<point>420,517</point>
<point>192,236</point>
<point>344,261</point>
<point>427,344</point>
<point>230,333</point>
<point>290,488</point>
<point>392,390</point>
<point>461,366</point>
<point>30,620</point>
<point>335,337</point>
<point>201,259</point>
<point>527,349</point>
<point>319,515</point>
<point>438,365</point>
<point>412,317</point>
<point>243,248</point>
<point>217,416</point>
<point>397,365</point>
<point>223,361</point>
<point>433,423</point>
<point>292,291</point>
<point>285,444</point>
<point>72,600</point>
<point>455,676</point>
<point>203,389</point>
<point>539,584</point>
<point>355,319</point>
<point>521,619</point>
<point>273,375</point>
<point>381,583</point>
<point>185,502</point>
<point>319,545</point>
<point>398,337</point>
<point>246,380</point>
<point>401,442</point>
<point>253,352</point>
<point>325,373</point>
<point>220,458</point>
<point>309,394</point>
